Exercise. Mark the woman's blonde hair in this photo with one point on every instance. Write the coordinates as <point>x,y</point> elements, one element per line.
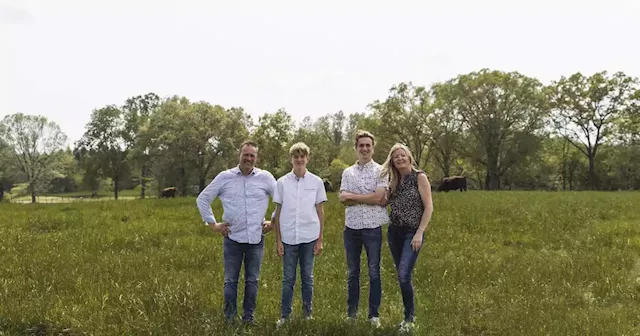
<point>390,172</point>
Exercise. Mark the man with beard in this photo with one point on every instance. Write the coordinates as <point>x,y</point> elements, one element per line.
<point>363,191</point>
<point>244,191</point>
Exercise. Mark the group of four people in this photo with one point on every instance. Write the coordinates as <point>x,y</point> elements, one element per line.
<point>298,221</point>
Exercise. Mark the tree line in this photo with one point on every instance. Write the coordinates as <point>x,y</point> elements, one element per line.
<point>502,130</point>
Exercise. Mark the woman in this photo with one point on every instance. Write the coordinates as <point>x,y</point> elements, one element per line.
<point>409,195</point>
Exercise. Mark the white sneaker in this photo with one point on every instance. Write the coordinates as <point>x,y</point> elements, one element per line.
<point>406,326</point>
<point>375,321</point>
<point>280,323</point>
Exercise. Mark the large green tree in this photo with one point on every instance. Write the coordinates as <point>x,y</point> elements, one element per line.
<point>447,129</point>
<point>137,111</point>
<point>33,141</point>
<point>273,135</point>
<point>586,108</point>
<point>503,111</point>
<point>189,140</point>
<point>104,143</point>
<point>406,117</point>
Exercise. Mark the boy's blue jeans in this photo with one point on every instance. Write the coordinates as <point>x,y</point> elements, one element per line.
<point>293,255</point>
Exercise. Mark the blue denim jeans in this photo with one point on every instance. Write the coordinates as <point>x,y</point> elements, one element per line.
<point>354,240</point>
<point>404,257</point>
<point>234,255</point>
<point>294,254</point>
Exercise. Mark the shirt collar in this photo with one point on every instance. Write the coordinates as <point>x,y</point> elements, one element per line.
<point>236,170</point>
<point>366,165</point>
<point>293,175</point>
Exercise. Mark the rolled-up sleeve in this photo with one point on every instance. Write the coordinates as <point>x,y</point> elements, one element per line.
<point>321,194</point>
<point>272,185</point>
<point>206,197</point>
<point>277,195</point>
<point>345,182</point>
<point>382,182</point>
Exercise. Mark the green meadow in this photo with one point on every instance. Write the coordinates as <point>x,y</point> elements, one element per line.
<point>493,263</point>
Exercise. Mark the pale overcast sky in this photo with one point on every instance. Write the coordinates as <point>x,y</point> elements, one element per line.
<point>69,57</point>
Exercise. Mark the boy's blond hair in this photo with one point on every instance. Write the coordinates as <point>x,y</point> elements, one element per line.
<point>299,148</point>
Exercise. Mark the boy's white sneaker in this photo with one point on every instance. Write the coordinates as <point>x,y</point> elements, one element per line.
<point>375,321</point>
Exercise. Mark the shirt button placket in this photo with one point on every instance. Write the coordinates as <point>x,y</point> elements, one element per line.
<point>295,228</point>
<point>246,208</point>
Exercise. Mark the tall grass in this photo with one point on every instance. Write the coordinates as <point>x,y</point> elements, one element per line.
<point>505,263</point>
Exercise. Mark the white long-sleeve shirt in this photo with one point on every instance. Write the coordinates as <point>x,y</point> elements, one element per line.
<point>245,200</point>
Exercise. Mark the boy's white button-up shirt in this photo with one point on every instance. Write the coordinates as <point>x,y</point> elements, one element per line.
<point>299,222</point>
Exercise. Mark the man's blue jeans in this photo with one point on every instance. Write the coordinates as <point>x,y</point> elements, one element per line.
<point>294,254</point>
<point>404,257</point>
<point>234,254</point>
<point>354,240</point>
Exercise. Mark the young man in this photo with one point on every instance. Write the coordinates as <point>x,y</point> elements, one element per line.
<point>362,191</point>
<point>244,191</point>
<point>299,226</point>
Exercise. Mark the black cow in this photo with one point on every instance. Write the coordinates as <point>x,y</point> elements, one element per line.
<point>1,193</point>
<point>453,183</point>
<point>328,186</point>
<point>169,192</point>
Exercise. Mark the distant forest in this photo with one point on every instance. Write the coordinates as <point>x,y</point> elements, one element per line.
<point>502,130</point>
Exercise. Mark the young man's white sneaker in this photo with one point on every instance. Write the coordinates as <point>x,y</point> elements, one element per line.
<point>280,322</point>
<point>407,326</point>
<point>375,321</point>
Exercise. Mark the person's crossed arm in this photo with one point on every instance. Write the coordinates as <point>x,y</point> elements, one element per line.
<point>349,198</point>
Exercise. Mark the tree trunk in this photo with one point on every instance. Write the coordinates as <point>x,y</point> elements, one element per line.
<point>492,181</point>
<point>446,163</point>
<point>564,165</point>
<point>486,180</point>
<point>33,195</point>
<point>185,183</point>
<point>115,186</point>
<point>143,184</point>
<point>571,174</point>
<point>202,182</point>
<point>592,172</point>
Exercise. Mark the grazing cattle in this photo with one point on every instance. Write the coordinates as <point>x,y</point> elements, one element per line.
<point>453,183</point>
<point>328,186</point>
<point>1,193</point>
<point>169,192</point>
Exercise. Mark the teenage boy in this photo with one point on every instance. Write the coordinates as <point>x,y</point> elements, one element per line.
<point>362,190</point>
<point>298,226</point>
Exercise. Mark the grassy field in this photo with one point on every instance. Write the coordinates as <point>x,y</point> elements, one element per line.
<point>503,263</point>
<point>70,197</point>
